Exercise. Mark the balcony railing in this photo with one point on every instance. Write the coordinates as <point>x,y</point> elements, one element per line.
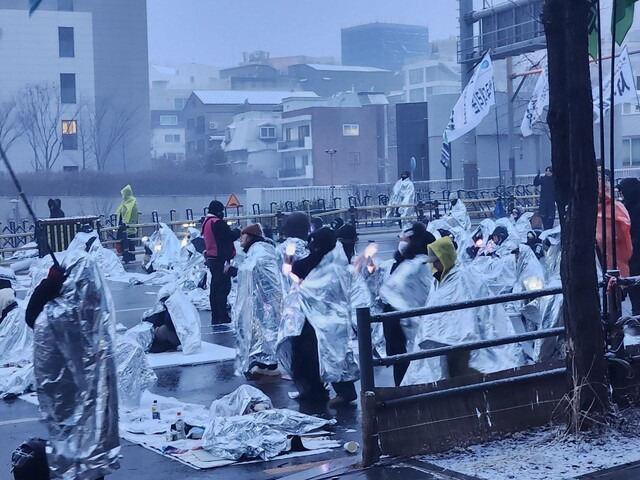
<point>290,144</point>
<point>292,172</point>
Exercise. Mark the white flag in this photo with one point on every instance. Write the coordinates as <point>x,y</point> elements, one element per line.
<point>624,86</point>
<point>474,103</point>
<point>539,100</point>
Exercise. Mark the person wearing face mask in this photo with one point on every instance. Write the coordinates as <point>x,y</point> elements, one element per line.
<point>454,283</point>
<point>257,309</point>
<point>294,247</point>
<point>314,339</point>
<point>406,287</point>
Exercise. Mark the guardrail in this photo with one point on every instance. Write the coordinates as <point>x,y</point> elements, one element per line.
<point>389,410</point>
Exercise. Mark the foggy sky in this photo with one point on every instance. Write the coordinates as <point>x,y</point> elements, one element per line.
<point>216,32</point>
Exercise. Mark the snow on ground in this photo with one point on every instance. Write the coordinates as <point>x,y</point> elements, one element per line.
<point>547,453</point>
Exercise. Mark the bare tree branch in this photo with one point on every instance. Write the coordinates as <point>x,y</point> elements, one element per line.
<point>10,126</point>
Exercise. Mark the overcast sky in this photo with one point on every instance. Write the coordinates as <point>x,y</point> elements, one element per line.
<point>216,32</point>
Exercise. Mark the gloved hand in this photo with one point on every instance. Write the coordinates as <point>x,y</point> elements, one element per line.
<point>48,289</point>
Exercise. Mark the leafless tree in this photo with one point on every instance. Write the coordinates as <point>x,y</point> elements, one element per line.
<point>10,126</point>
<point>40,113</point>
<point>85,138</point>
<point>108,125</point>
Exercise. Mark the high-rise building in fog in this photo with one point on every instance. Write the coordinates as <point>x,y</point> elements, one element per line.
<point>384,45</point>
<point>92,54</point>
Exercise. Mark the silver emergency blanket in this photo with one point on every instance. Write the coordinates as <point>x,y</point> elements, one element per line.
<point>141,334</point>
<point>406,288</point>
<point>461,236</point>
<point>9,275</point>
<point>107,260</point>
<point>165,249</point>
<point>135,375</point>
<point>451,328</point>
<point>75,373</point>
<point>186,320</point>
<point>374,281</point>
<point>323,300</point>
<point>403,193</point>
<point>484,230</point>
<point>243,400</point>
<point>552,253</point>
<point>239,425</point>
<point>19,382</point>
<point>16,339</point>
<point>523,226</point>
<point>30,251</point>
<point>530,274</point>
<point>299,249</point>
<point>257,309</point>
<point>458,216</point>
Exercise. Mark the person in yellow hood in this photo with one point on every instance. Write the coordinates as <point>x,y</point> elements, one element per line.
<point>127,214</point>
<point>454,283</point>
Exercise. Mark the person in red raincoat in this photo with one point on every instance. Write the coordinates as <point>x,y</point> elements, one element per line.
<point>624,247</point>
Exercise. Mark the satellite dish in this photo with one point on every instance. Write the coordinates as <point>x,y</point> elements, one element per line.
<point>412,164</point>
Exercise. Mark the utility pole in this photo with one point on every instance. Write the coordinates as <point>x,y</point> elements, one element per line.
<point>331,152</point>
<point>469,156</point>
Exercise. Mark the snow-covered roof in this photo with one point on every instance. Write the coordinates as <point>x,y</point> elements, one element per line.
<point>343,68</point>
<point>253,97</point>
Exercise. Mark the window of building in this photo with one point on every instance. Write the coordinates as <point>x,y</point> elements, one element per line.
<point>305,160</point>
<point>172,138</point>
<point>191,124</point>
<point>354,158</point>
<point>289,163</point>
<point>168,120</point>
<point>69,135</point>
<point>65,5</point>
<point>268,132</point>
<point>68,87</point>
<point>630,109</point>
<point>288,134</point>
<point>65,42</point>
<point>416,75</point>
<point>179,103</point>
<point>193,79</point>
<point>350,130</point>
<point>304,131</point>
<point>630,151</point>
<point>416,95</point>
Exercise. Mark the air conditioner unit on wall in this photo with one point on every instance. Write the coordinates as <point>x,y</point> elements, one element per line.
<point>213,125</point>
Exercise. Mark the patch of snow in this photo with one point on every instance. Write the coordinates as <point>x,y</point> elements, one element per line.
<point>547,453</point>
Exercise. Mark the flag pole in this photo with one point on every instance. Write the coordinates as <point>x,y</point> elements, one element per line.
<point>614,259</point>
<point>603,179</point>
<point>26,202</point>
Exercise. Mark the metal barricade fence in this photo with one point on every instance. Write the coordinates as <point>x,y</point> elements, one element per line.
<point>395,397</point>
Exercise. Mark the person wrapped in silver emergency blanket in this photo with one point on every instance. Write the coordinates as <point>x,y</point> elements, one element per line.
<point>458,216</point>
<point>403,193</point>
<point>294,247</point>
<point>407,286</point>
<point>163,249</point>
<point>87,240</point>
<point>75,369</point>
<point>256,312</point>
<point>313,341</point>
<point>454,284</point>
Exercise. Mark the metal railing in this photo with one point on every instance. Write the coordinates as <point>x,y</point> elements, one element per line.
<point>370,405</point>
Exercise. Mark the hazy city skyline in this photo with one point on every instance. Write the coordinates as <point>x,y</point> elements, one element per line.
<point>216,32</point>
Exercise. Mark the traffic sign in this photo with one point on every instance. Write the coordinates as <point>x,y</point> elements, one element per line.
<point>233,201</point>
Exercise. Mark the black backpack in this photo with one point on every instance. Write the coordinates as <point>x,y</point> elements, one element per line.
<point>29,461</point>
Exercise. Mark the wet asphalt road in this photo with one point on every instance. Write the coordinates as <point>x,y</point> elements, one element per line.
<point>200,384</point>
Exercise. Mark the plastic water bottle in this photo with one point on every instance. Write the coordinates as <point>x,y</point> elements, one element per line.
<point>155,413</point>
<point>180,428</point>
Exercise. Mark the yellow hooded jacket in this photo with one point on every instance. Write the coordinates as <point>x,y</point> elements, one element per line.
<point>127,212</point>
<point>444,249</point>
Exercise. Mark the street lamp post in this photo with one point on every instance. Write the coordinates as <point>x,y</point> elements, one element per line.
<point>331,152</point>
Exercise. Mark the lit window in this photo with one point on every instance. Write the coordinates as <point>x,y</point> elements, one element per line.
<point>268,132</point>
<point>69,135</point>
<point>350,130</point>
<point>167,120</point>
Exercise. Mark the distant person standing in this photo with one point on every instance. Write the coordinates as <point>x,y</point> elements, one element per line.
<point>219,249</point>
<point>547,207</point>
<point>127,214</point>
<point>55,208</point>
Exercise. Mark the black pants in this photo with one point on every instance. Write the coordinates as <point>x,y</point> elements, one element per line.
<point>547,211</point>
<point>634,292</point>
<point>396,342</point>
<point>218,290</point>
<point>305,367</point>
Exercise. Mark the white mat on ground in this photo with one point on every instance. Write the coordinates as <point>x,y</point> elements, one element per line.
<point>209,353</point>
<point>190,452</point>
